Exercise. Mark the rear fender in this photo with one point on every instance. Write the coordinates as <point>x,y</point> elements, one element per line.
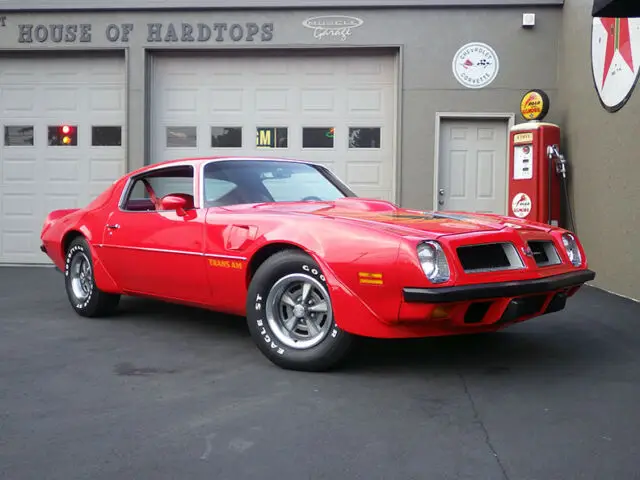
<point>103,280</point>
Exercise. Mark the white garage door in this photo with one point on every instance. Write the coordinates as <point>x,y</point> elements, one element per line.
<point>39,171</point>
<point>334,109</point>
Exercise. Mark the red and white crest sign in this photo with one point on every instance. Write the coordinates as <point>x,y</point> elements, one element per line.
<point>615,59</point>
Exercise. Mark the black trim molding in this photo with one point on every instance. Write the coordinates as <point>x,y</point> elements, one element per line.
<point>496,290</point>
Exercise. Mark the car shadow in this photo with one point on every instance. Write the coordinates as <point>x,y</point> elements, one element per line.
<point>174,317</point>
<point>546,344</point>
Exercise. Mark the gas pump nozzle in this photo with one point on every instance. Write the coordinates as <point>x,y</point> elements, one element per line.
<point>561,169</point>
<point>561,162</point>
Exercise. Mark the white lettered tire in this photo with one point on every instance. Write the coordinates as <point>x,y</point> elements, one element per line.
<point>85,297</point>
<point>290,315</point>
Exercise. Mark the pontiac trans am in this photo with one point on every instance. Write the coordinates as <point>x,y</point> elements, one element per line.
<point>310,265</point>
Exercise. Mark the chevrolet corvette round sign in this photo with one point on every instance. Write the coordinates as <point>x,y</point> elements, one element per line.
<point>475,65</point>
<point>521,205</point>
<point>615,59</point>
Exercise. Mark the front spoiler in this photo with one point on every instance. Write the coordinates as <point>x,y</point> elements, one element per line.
<point>495,290</point>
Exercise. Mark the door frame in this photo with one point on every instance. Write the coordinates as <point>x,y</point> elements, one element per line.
<point>510,118</point>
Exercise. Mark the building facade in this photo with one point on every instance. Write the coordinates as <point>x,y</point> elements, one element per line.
<point>409,101</point>
<point>602,145</point>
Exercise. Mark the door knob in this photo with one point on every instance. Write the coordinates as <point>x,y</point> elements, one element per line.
<point>441,191</point>
<point>440,202</point>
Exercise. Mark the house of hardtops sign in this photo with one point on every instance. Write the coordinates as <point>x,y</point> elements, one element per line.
<point>173,32</point>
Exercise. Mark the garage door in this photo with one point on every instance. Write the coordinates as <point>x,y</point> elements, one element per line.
<point>61,142</point>
<point>337,110</point>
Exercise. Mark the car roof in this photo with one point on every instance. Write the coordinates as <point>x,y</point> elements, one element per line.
<point>198,161</point>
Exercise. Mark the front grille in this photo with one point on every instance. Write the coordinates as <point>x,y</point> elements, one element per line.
<point>522,307</point>
<point>476,312</point>
<point>544,253</point>
<point>489,257</point>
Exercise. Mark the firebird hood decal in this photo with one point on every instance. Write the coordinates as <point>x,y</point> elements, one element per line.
<point>387,216</point>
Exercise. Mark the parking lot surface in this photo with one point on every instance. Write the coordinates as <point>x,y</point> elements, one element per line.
<point>167,392</point>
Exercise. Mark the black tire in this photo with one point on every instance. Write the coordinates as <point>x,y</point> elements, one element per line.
<point>97,303</point>
<point>333,344</point>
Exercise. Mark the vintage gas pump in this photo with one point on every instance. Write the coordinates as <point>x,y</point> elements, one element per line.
<point>536,166</point>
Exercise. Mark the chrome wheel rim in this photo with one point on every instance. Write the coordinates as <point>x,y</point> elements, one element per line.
<point>298,311</point>
<point>80,274</point>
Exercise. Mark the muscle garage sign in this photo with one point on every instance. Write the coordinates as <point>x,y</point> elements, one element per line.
<point>154,32</point>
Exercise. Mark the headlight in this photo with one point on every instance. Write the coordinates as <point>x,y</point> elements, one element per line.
<point>433,261</point>
<point>571,247</point>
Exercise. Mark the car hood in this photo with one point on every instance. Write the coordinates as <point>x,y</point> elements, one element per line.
<point>387,216</point>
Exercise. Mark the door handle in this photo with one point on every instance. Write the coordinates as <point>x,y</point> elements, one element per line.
<point>113,227</point>
<point>441,191</point>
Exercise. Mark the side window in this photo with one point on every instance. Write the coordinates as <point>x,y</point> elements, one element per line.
<point>215,190</point>
<point>172,180</point>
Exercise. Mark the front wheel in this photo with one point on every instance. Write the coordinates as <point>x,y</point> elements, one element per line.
<point>290,315</point>
<point>84,295</point>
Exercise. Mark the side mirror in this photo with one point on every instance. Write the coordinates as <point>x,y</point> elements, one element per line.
<point>174,202</point>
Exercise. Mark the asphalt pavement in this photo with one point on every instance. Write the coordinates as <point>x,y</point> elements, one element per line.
<point>168,392</point>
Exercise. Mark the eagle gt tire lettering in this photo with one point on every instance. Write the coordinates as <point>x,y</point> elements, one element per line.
<point>290,316</point>
<point>84,295</point>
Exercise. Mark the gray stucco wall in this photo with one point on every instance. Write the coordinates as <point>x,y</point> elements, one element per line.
<point>427,39</point>
<point>85,5</point>
<point>602,149</point>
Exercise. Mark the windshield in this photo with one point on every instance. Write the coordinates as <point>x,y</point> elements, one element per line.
<point>258,181</point>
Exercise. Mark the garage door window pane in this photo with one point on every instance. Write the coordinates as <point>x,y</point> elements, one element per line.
<point>182,137</point>
<point>317,137</point>
<point>272,137</point>
<point>18,136</point>
<point>63,135</point>
<point>226,137</point>
<point>364,137</point>
<point>106,136</point>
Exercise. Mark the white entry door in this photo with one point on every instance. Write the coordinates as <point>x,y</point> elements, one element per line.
<point>472,166</point>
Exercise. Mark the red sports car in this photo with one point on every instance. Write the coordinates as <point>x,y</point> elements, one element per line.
<point>290,247</point>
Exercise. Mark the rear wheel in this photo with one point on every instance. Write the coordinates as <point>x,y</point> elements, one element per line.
<point>290,315</point>
<point>85,297</point>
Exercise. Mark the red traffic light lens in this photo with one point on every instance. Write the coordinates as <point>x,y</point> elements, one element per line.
<point>66,129</point>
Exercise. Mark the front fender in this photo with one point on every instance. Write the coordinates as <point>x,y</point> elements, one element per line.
<point>363,275</point>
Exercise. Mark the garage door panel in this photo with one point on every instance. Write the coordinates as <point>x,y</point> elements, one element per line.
<point>19,170</point>
<point>50,92</point>
<point>62,170</point>
<point>105,169</point>
<point>18,101</point>
<point>226,101</point>
<point>107,99</point>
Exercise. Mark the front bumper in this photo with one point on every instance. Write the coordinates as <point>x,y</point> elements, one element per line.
<point>499,289</point>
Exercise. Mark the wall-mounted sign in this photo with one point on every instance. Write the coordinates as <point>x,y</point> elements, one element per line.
<point>154,32</point>
<point>534,105</point>
<point>615,59</point>
<point>338,27</point>
<point>475,65</point>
